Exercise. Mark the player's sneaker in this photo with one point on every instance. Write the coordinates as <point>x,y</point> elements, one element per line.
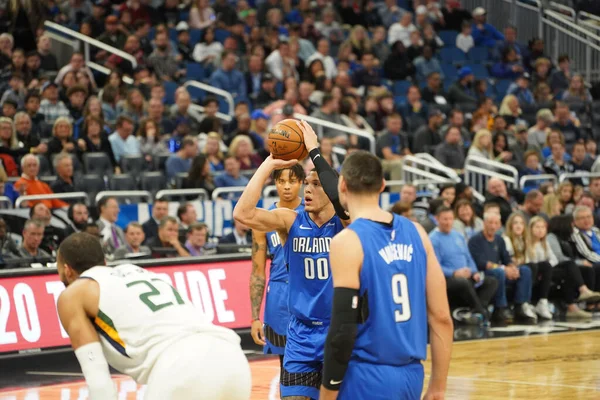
<point>542,309</point>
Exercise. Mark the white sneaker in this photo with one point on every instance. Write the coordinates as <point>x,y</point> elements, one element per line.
<point>530,311</point>
<point>542,309</point>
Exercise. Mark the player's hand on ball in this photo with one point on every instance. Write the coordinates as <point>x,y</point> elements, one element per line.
<point>257,332</point>
<point>311,141</point>
<point>276,163</point>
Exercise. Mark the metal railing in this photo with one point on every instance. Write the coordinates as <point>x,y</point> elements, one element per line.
<point>124,194</point>
<point>218,193</point>
<point>219,92</point>
<point>5,202</point>
<point>583,176</point>
<point>478,170</point>
<point>589,21</point>
<point>425,172</point>
<point>566,11</point>
<point>220,115</point>
<point>537,178</point>
<point>55,196</point>
<point>170,193</point>
<point>87,42</point>
<point>320,124</point>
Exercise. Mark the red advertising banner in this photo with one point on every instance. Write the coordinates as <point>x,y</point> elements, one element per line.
<point>29,320</point>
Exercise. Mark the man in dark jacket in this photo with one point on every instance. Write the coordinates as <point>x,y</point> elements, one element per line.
<point>461,91</point>
<point>160,209</point>
<point>427,137</point>
<point>450,152</point>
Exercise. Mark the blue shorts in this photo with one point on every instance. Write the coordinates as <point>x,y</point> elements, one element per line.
<point>277,317</point>
<point>382,382</point>
<point>303,359</point>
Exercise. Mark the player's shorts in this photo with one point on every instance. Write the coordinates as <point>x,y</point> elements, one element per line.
<point>277,317</point>
<point>201,366</point>
<point>303,359</point>
<point>382,382</point>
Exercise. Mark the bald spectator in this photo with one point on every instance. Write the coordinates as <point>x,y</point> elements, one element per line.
<point>30,185</point>
<point>497,193</point>
<point>532,206</point>
<point>182,109</point>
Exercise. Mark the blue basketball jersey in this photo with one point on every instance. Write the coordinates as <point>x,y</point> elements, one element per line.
<point>279,271</point>
<point>307,255</point>
<point>392,283</point>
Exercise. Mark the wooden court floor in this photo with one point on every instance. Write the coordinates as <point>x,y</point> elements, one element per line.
<point>556,366</point>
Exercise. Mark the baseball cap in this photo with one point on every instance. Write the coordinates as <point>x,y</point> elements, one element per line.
<point>464,72</point>
<point>267,77</point>
<point>47,85</point>
<point>182,26</point>
<point>434,112</point>
<point>479,11</point>
<point>421,10</point>
<point>525,75</point>
<point>258,114</point>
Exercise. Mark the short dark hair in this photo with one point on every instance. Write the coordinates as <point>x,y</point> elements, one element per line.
<point>72,209</point>
<point>210,99</point>
<point>81,251</point>
<point>532,195</point>
<point>122,119</point>
<point>435,204</point>
<point>32,94</point>
<point>110,93</point>
<point>563,57</point>
<point>103,201</point>
<point>76,89</point>
<point>363,173</point>
<point>188,141</point>
<point>442,209</point>
<point>182,209</point>
<point>133,225</point>
<point>198,226</point>
<point>401,207</point>
<point>296,171</point>
<point>166,220</point>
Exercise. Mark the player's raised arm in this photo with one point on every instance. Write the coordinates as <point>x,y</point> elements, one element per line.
<point>257,284</point>
<point>74,317</point>
<point>439,320</point>
<point>327,175</point>
<point>345,258</point>
<point>260,219</point>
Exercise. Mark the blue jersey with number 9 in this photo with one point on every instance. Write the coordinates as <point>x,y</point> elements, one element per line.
<point>392,284</point>
<point>307,255</point>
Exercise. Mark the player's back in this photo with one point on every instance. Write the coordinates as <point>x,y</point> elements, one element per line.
<point>307,254</point>
<point>140,315</point>
<point>278,270</point>
<point>392,285</point>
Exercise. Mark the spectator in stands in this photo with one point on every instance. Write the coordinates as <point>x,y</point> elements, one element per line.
<point>228,78</point>
<point>576,92</point>
<point>416,46</point>
<point>463,281</point>
<point>76,64</point>
<point>241,235</point>
<point>328,27</point>
<point>134,106</point>
<point>498,194</point>
<point>398,65</point>
<point>242,149</point>
<point>9,108</point>
<point>322,54</point>
<point>482,145</point>
<point>27,137</point>
<point>454,16</point>
<point>552,206</point>
<point>48,60</point>
<point>208,51</point>
<point>62,138</point>
<point>500,146</point>
<point>122,141</point>
<point>329,112</point>
<point>414,112</point>
<point>333,159</point>
<point>392,146</point>
<point>50,106</point>
<point>490,255</point>
<point>427,64</point>
<point>464,40</point>
<point>199,176</point>
<point>197,239</point>
<point>579,159</point>
<point>461,91</point>
<point>94,140</point>
<point>520,89</point>
<point>450,152</point>
<point>368,77</point>
<point>509,67</point>
<point>537,133</point>
<point>186,213</point>
<point>280,63</point>
<point>33,232</point>
<point>408,193</point>
<point>401,30</point>
<point>380,48</point>
<point>181,161</point>
<point>521,146</point>
<point>112,36</point>
<point>541,72</point>
<point>484,34</point>
<point>352,119</point>
<point>390,12</point>
<point>466,222</point>
<point>594,191</point>
<point>556,164</point>
<point>448,194</point>
<point>201,15</point>
<point>433,92</point>
<point>231,177</point>
<point>112,235</point>
<point>212,149</point>
<point>565,194</point>
<point>510,41</point>
<point>148,135</point>
<point>63,167</point>
<point>15,90</point>
<point>29,184</point>
<point>79,216</point>
<point>160,209</point>
<point>586,238</point>
<point>561,77</point>
<point>53,236</point>
<point>32,108</point>
<point>532,206</point>
<point>134,237</point>
<point>77,95</point>
<point>427,137</point>
<point>567,124</point>
<point>110,98</point>
<point>167,239</point>
<point>530,166</point>
<point>162,61</point>
<point>156,113</point>
<point>536,51</point>
<point>182,109</point>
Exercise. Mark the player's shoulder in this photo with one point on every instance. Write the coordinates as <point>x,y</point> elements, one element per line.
<point>78,294</point>
<point>346,238</point>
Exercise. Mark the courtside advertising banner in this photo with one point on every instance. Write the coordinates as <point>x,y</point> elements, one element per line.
<point>29,321</point>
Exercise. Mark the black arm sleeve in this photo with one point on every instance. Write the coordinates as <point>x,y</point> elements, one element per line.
<point>329,180</point>
<point>341,336</point>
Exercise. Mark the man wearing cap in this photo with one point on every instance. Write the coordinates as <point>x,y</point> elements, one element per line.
<point>267,94</point>
<point>521,146</point>
<point>427,137</point>
<point>461,91</point>
<point>484,34</point>
<point>112,36</point>
<point>520,88</point>
<point>50,106</point>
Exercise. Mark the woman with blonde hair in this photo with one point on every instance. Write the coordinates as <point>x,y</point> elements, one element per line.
<point>359,41</point>
<point>8,134</point>
<point>242,149</point>
<point>482,145</point>
<point>515,238</point>
<point>62,137</point>
<point>565,194</point>
<point>552,205</point>
<point>577,92</point>
<point>212,149</point>
<point>510,109</point>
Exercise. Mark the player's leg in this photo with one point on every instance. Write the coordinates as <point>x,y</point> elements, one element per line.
<point>277,318</point>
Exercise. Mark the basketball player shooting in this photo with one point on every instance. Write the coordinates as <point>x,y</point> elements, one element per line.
<point>305,236</point>
<point>134,321</point>
<point>388,285</point>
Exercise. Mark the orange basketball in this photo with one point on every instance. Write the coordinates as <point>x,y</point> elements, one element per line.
<point>286,141</point>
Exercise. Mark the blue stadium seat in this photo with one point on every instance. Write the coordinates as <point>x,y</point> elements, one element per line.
<point>448,37</point>
<point>221,35</point>
<point>196,94</point>
<point>452,55</point>
<point>170,88</point>
<point>184,15</point>
<point>449,71</point>
<point>401,88</point>
<point>399,101</point>
<point>195,71</point>
<point>478,55</point>
<point>279,88</point>
<point>501,88</point>
<point>195,35</point>
<point>152,33</point>
<point>173,34</point>
<point>480,71</point>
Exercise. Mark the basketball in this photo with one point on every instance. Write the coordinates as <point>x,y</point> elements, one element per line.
<point>286,141</point>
